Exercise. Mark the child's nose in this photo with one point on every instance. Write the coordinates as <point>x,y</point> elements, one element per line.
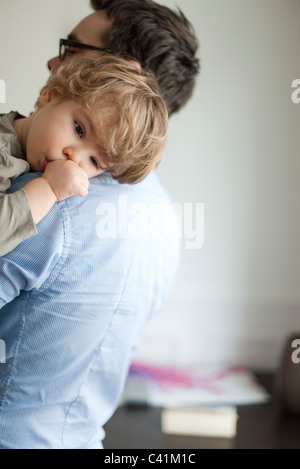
<point>72,154</point>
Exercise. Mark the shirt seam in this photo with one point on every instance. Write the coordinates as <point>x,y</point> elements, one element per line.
<point>15,354</point>
<point>94,361</point>
<point>67,238</point>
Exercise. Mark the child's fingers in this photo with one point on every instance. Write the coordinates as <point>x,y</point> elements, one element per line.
<point>84,188</point>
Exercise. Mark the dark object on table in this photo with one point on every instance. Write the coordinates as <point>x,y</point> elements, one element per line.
<point>287,378</point>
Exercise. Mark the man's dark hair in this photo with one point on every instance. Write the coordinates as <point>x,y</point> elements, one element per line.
<point>163,41</point>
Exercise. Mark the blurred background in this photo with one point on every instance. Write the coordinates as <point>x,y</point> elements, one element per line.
<point>234,148</point>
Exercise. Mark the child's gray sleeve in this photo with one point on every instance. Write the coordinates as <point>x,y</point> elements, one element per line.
<point>16,222</point>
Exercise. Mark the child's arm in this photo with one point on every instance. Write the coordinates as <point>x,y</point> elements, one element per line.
<point>19,211</point>
<point>62,179</point>
<point>16,223</point>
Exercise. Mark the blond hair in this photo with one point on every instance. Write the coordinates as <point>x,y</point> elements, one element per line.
<point>132,118</point>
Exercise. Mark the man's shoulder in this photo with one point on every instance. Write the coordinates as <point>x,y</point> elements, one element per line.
<point>150,188</point>
<point>148,191</point>
<point>147,198</point>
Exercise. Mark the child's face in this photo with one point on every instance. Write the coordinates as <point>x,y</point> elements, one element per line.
<point>63,130</point>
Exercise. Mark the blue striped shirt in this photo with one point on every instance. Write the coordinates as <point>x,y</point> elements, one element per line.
<point>73,301</point>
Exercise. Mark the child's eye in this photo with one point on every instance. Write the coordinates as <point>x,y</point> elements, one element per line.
<point>79,130</point>
<point>94,162</point>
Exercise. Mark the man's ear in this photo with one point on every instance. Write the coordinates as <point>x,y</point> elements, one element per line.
<point>136,65</point>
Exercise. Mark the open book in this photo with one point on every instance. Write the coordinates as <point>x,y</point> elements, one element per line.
<point>192,386</point>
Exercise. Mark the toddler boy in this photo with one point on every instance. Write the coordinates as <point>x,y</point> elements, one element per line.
<point>94,115</point>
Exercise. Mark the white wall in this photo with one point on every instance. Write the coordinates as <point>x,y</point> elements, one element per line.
<point>29,36</point>
<point>234,148</point>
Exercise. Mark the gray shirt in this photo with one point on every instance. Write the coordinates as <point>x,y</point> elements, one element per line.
<point>16,222</point>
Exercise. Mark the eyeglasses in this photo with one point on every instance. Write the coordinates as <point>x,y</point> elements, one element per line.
<point>65,45</point>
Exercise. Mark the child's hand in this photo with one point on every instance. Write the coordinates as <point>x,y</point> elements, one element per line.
<point>66,179</point>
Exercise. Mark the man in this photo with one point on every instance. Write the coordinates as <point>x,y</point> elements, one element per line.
<point>160,40</point>
<point>75,297</point>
